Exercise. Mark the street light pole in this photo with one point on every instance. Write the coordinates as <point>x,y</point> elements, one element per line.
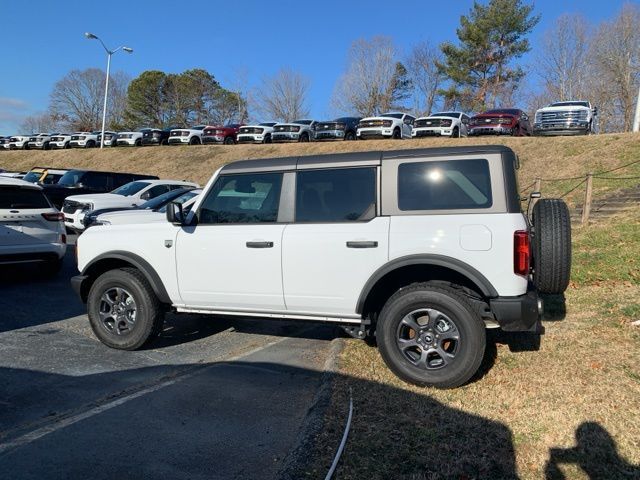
<point>636,120</point>
<point>91,36</point>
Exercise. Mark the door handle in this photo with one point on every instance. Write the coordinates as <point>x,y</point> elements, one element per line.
<point>362,244</point>
<point>259,244</point>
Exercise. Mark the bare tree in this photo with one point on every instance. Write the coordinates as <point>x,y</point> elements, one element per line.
<point>42,122</point>
<point>78,97</point>
<point>616,53</point>
<point>375,81</point>
<point>283,97</point>
<point>426,76</point>
<point>563,64</point>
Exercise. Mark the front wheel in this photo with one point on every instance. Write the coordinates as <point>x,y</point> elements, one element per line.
<point>304,137</point>
<point>124,312</point>
<point>350,136</point>
<point>396,134</point>
<point>267,138</point>
<point>229,141</point>
<point>455,133</point>
<point>431,336</point>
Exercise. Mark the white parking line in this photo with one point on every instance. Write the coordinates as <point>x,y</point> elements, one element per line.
<point>65,422</point>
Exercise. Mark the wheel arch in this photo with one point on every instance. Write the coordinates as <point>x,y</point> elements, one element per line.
<point>120,259</point>
<point>403,271</point>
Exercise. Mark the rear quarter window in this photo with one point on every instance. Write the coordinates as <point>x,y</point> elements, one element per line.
<point>445,185</point>
<point>22,198</point>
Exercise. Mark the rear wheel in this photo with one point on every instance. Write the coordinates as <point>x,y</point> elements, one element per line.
<point>124,312</point>
<point>431,336</point>
<point>551,245</point>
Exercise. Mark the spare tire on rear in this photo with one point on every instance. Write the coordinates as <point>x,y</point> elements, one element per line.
<point>551,244</point>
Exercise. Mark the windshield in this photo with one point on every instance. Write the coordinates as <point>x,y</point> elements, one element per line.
<point>392,115</point>
<point>181,199</point>
<point>130,188</point>
<point>163,199</point>
<point>508,111</point>
<point>267,124</point>
<point>32,177</point>
<point>303,122</point>
<point>446,114</point>
<point>570,104</point>
<point>71,178</point>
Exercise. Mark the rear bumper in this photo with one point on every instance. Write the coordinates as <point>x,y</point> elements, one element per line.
<point>518,314</point>
<point>32,253</point>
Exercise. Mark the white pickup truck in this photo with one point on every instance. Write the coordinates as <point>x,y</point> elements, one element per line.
<point>566,118</point>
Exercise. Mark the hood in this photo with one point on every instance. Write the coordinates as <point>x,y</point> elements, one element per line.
<point>101,200</point>
<point>495,115</point>
<point>564,108</point>
<point>379,117</point>
<point>123,217</point>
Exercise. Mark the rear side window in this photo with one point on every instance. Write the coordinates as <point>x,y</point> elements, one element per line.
<point>22,198</point>
<point>97,180</point>
<point>245,198</point>
<point>337,195</point>
<point>447,185</point>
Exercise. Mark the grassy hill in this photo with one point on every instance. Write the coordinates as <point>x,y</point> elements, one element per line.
<point>548,158</point>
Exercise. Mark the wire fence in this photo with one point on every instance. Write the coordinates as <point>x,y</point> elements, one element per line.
<point>586,180</point>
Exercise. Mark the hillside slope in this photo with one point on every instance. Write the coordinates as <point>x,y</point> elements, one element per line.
<point>548,158</point>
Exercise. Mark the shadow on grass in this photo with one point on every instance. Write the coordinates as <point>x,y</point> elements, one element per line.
<point>555,307</point>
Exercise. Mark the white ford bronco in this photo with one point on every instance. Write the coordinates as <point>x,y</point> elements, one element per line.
<point>422,249</point>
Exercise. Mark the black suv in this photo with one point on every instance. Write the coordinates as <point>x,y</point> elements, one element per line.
<point>343,128</point>
<point>77,182</point>
<point>155,136</point>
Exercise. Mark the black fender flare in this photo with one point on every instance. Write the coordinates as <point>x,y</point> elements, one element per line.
<point>454,264</point>
<point>138,262</point>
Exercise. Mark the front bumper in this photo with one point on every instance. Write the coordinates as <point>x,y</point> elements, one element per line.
<point>213,140</point>
<point>128,142</point>
<point>382,132</point>
<point>151,141</point>
<point>561,128</point>
<point>178,141</point>
<point>431,132</point>
<point>58,144</point>
<point>75,220</point>
<point>518,314</point>
<point>18,146</point>
<point>248,138</point>
<point>78,143</point>
<point>37,145</point>
<point>285,137</point>
<point>491,130</point>
<point>330,135</point>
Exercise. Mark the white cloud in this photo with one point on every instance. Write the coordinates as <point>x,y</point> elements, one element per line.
<point>13,103</point>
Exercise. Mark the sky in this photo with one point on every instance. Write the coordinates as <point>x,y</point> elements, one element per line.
<point>42,41</point>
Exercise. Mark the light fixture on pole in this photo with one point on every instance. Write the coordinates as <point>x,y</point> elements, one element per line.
<point>91,36</point>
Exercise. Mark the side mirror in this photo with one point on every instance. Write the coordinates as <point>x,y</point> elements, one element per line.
<point>175,214</point>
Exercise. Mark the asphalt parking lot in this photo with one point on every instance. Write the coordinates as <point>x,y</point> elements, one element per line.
<point>211,398</point>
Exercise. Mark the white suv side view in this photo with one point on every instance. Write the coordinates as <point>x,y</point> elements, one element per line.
<point>75,207</point>
<point>422,248</point>
<point>448,124</point>
<point>31,229</point>
<point>395,125</point>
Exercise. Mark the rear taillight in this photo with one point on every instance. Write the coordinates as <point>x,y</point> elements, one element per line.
<point>521,252</point>
<point>54,217</point>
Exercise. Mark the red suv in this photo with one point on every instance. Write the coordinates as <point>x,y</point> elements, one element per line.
<point>503,121</point>
<point>219,134</point>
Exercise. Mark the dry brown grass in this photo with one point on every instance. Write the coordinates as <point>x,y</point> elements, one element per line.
<point>575,400</point>
<point>540,157</point>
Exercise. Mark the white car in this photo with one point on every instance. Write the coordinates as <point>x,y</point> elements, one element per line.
<point>566,118</point>
<point>259,133</point>
<point>41,141</point>
<point>441,124</point>
<point>110,139</point>
<point>31,229</point>
<point>396,125</point>
<point>61,140</point>
<point>4,143</point>
<point>129,139</point>
<point>121,217</point>
<point>19,142</point>
<point>296,131</point>
<point>75,207</point>
<point>187,136</point>
<point>84,140</point>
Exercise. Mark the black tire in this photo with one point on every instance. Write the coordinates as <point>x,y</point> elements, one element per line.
<point>455,133</point>
<point>396,134</point>
<point>267,138</point>
<point>468,347</point>
<point>304,138</point>
<point>195,141</point>
<point>91,144</point>
<point>551,242</point>
<point>66,146</point>
<point>138,143</point>
<point>229,141</point>
<point>516,131</point>
<point>46,146</point>
<point>350,136</point>
<point>51,268</point>
<point>149,314</point>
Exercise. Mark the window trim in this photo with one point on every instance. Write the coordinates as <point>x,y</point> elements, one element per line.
<point>390,175</point>
<point>196,214</point>
<point>345,167</point>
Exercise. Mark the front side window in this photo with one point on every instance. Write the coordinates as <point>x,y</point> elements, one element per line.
<point>97,180</point>
<point>243,198</point>
<point>337,195</point>
<point>446,185</point>
<point>130,188</point>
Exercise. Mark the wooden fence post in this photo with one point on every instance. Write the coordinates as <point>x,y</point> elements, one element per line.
<point>586,207</point>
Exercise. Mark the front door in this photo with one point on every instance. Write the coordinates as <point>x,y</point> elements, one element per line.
<point>232,258</point>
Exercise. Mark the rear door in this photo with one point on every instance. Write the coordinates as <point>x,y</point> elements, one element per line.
<point>21,220</point>
<point>336,242</point>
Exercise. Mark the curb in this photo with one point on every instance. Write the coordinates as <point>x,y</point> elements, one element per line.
<point>312,424</point>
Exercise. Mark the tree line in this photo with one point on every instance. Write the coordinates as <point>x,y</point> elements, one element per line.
<point>481,70</point>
